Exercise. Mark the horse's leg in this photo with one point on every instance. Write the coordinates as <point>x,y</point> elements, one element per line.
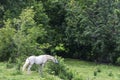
<point>41,69</point>
<point>29,67</point>
<point>25,65</point>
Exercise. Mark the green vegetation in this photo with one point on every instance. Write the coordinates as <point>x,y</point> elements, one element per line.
<point>12,74</point>
<point>93,71</point>
<point>61,70</point>
<point>81,71</point>
<point>85,29</point>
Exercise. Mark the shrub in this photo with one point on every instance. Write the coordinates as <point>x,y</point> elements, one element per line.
<point>18,64</point>
<point>118,61</point>
<point>95,73</point>
<point>98,70</point>
<point>9,65</point>
<point>110,74</point>
<point>60,70</point>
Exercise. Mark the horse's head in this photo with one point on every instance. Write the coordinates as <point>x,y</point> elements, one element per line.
<point>55,61</point>
<point>52,58</point>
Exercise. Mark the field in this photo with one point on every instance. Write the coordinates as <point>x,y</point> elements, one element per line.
<point>92,71</point>
<point>85,70</point>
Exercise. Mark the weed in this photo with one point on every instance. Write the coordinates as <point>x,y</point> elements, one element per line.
<point>110,73</point>
<point>9,65</point>
<point>17,72</point>
<point>95,73</point>
<point>98,69</point>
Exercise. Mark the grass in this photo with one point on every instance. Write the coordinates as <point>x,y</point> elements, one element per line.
<point>92,71</point>
<point>12,74</point>
<point>86,70</point>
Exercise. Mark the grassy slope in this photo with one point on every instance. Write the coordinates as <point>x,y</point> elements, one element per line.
<point>84,69</point>
<point>87,69</point>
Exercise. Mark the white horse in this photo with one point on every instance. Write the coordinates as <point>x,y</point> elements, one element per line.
<point>40,60</point>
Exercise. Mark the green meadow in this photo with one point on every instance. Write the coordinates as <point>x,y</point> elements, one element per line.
<point>85,70</point>
<point>92,71</point>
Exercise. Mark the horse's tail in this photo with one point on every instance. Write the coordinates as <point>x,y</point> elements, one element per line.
<point>26,64</point>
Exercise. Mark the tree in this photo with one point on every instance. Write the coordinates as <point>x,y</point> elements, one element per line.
<point>27,33</point>
<point>6,41</point>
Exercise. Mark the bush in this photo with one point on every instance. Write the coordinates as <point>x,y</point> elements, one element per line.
<point>118,61</point>
<point>18,64</point>
<point>60,70</point>
<point>110,74</point>
<point>95,73</point>
<point>98,70</point>
<point>9,65</point>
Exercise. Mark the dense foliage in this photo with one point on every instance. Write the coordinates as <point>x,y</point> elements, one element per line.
<point>84,29</point>
<point>61,70</point>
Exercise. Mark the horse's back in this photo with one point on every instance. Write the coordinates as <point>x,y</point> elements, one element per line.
<point>40,59</point>
<point>31,57</point>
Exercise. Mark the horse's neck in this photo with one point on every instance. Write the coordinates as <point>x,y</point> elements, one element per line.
<point>49,58</point>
